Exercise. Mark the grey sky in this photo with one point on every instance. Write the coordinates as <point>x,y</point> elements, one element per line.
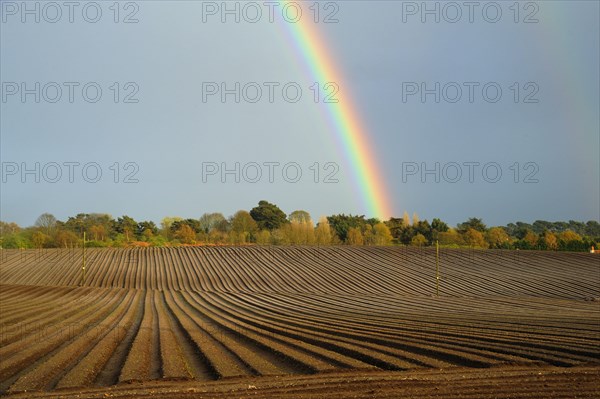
<point>380,47</point>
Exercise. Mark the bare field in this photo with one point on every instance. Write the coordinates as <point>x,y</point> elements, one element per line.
<point>299,322</point>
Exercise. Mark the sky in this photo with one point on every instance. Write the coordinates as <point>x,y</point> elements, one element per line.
<point>130,108</point>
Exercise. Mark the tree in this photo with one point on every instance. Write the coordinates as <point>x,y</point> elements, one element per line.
<point>300,216</point>
<point>369,235</point>
<point>550,240</point>
<point>263,237</point>
<point>382,234</point>
<point>592,229</point>
<point>341,224</point>
<point>298,233</point>
<point>472,223</point>
<point>39,239</point>
<point>406,219</point>
<point>166,222</point>
<point>243,227</point>
<point>14,241</point>
<point>415,218</point>
<point>78,224</point>
<point>8,228</point>
<point>47,222</point>
<point>423,228</point>
<point>268,216</point>
<point>185,234</point>
<point>395,227</point>
<point>98,232</point>
<point>211,221</point>
<point>530,239</point>
<point>192,223</point>
<point>146,229</point>
<point>439,226</point>
<point>474,238</point>
<point>323,233</point>
<point>66,239</point>
<point>127,226</point>
<point>407,234</point>
<point>570,241</point>
<point>497,237</point>
<point>451,238</point>
<point>165,226</point>
<point>354,237</point>
<point>569,235</point>
<point>418,240</point>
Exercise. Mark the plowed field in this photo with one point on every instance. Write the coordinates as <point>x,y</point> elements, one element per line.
<point>299,322</point>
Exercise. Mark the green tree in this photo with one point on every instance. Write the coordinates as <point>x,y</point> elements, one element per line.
<point>127,226</point>
<point>146,229</point>
<point>437,227</point>
<point>192,223</point>
<point>268,216</point>
<point>407,234</point>
<point>342,224</point>
<point>424,228</point>
<point>395,226</point>
<point>15,241</point>
<point>472,223</point>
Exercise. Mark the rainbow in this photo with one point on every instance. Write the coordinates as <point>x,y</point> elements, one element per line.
<point>369,181</point>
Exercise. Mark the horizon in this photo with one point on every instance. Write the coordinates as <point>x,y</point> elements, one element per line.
<point>314,218</point>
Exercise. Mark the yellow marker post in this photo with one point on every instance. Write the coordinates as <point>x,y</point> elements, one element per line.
<point>437,268</point>
<point>83,262</point>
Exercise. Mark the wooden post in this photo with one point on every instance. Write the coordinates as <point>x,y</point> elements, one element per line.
<point>83,262</point>
<point>437,268</point>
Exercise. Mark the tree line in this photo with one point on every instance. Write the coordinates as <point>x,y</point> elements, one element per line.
<point>267,224</point>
